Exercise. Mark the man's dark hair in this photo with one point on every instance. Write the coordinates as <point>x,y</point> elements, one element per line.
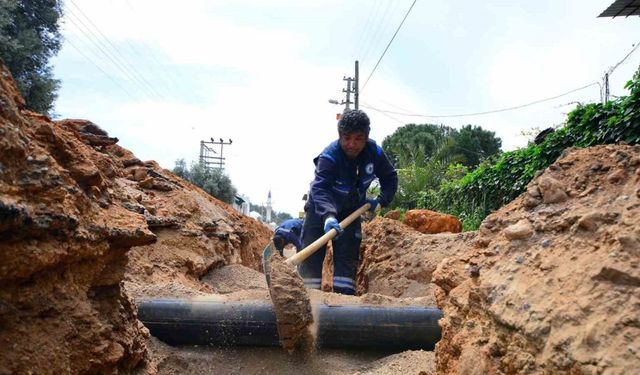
<point>354,121</point>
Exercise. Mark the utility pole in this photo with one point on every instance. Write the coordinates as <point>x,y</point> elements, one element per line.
<point>348,91</point>
<point>606,88</point>
<point>356,93</point>
<point>352,88</point>
<point>206,154</point>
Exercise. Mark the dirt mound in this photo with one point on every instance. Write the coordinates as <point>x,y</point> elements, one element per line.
<point>418,362</point>
<point>195,233</point>
<point>64,232</point>
<point>551,285</point>
<point>72,205</point>
<point>398,261</point>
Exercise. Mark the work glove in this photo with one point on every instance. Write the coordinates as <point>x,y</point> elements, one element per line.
<point>332,223</point>
<point>374,204</point>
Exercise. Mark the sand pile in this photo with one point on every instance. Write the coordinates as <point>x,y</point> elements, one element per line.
<point>551,285</point>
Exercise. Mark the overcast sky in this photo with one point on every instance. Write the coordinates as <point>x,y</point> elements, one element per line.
<point>163,75</point>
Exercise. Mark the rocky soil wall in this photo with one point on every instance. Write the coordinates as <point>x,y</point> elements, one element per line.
<point>552,284</point>
<point>73,205</point>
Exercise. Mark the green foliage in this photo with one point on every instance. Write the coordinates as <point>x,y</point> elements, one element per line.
<point>29,37</point>
<point>213,181</point>
<point>423,154</point>
<point>412,143</point>
<point>409,141</point>
<point>498,181</point>
<point>474,144</point>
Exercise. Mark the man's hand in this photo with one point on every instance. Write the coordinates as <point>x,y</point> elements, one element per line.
<point>332,223</point>
<point>374,204</point>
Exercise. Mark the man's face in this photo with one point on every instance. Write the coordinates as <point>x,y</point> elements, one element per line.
<point>353,143</point>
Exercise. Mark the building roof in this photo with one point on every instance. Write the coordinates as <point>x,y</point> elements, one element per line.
<point>622,8</point>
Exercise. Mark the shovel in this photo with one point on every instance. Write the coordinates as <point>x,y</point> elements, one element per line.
<point>303,254</point>
<point>291,303</point>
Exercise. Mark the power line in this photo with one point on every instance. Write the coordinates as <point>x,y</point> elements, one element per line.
<point>365,28</point>
<point>108,55</point>
<point>406,113</point>
<point>623,59</point>
<point>388,45</point>
<point>163,77</point>
<point>137,74</point>
<point>485,112</point>
<point>152,55</point>
<point>376,32</point>
<point>68,41</point>
<point>387,115</point>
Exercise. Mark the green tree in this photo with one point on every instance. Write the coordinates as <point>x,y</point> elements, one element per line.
<point>180,169</point>
<point>29,37</point>
<point>425,153</point>
<point>469,145</point>
<point>409,141</point>
<point>213,181</point>
<point>475,144</point>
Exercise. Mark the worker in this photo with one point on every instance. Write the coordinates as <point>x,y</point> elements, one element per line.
<point>343,173</point>
<point>289,232</point>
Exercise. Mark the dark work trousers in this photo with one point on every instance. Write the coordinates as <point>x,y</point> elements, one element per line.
<point>346,252</point>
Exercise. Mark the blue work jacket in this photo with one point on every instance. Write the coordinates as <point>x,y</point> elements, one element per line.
<point>291,231</point>
<point>340,184</point>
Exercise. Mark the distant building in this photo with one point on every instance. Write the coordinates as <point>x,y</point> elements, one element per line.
<point>255,215</point>
<point>269,207</point>
<point>242,204</point>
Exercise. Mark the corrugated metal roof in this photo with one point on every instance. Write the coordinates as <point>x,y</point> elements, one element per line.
<point>622,8</point>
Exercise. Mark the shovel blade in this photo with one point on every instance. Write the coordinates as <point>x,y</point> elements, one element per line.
<point>266,256</point>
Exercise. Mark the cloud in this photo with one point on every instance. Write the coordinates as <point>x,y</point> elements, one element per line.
<point>261,73</point>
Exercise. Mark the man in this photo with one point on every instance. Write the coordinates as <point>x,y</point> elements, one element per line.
<point>344,171</point>
<point>289,232</point>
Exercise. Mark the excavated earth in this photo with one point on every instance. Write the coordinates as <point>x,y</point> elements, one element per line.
<point>548,285</point>
<point>552,283</point>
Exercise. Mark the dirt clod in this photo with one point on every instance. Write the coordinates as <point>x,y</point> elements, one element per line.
<point>291,305</point>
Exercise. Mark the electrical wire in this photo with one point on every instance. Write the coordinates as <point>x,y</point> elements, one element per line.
<point>481,113</point>
<point>148,52</point>
<point>407,113</point>
<point>388,45</point>
<point>68,41</point>
<point>114,61</point>
<point>365,29</point>
<point>382,25</point>
<point>125,62</point>
<point>623,59</point>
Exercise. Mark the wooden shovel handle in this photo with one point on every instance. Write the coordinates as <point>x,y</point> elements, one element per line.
<point>303,254</point>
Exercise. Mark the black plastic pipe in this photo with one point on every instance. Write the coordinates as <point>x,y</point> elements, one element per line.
<point>188,322</point>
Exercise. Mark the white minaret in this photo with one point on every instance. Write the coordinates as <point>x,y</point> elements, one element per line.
<point>268,218</point>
